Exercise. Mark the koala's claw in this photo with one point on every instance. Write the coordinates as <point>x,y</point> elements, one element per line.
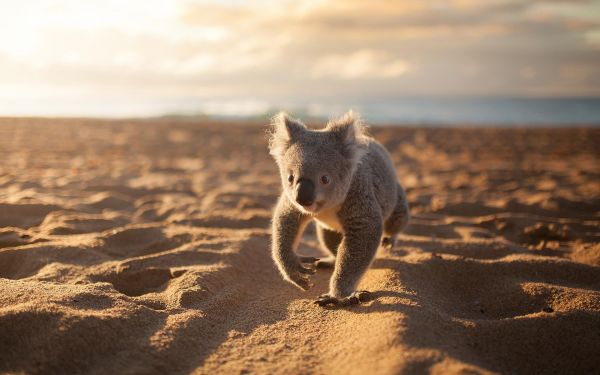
<point>303,282</point>
<point>309,260</point>
<point>307,271</point>
<point>309,265</point>
<point>328,262</point>
<point>353,299</point>
<point>304,271</point>
<point>388,242</point>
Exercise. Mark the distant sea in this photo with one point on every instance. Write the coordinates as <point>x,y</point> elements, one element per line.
<point>471,111</point>
<point>401,111</point>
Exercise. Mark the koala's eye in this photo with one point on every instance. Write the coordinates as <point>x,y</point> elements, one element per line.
<point>325,179</point>
<point>291,178</point>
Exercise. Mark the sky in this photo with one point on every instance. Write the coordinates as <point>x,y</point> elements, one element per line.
<point>148,57</point>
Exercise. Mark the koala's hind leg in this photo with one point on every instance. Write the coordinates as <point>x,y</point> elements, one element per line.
<point>330,241</point>
<point>397,220</point>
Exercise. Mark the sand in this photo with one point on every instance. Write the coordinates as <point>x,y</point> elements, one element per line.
<point>143,247</point>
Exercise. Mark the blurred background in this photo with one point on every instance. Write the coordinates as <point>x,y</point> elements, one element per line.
<point>414,61</point>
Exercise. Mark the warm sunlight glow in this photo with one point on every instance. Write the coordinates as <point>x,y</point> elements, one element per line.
<point>117,58</point>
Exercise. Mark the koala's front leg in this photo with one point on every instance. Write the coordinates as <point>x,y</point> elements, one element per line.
<point>288,225</point>
<point>357,250</point>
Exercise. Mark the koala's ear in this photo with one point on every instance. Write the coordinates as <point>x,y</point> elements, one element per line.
<point>282,132</point>
<point>351,134</point>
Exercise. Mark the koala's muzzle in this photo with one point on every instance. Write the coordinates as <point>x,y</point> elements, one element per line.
<point>305,194</point>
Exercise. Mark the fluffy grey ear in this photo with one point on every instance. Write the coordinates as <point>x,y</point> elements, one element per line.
<point>282,132</point>
<point>351,133</point>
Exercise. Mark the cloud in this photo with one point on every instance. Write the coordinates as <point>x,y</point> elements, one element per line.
<point>300,52</point>
<point>363,64</point>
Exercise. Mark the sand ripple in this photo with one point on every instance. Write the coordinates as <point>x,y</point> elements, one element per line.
<point>143,246</point>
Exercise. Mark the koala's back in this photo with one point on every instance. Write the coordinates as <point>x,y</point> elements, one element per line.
<point>376,177</point>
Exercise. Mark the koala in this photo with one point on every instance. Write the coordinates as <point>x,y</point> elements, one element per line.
<point>345,181</point>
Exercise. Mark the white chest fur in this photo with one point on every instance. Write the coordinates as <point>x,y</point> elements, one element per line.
<point>329,219</point>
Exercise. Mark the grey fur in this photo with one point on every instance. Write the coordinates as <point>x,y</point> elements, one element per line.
<point>362,201</point>
<point>330,241</point>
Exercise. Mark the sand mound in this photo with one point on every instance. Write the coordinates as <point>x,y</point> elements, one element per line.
<point>144,247</point>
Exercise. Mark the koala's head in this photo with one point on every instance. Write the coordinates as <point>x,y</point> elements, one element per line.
<point>317,166</point>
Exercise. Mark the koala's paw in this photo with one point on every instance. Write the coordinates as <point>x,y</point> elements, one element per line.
<point>353,299</point>
<point>301,275</point>
<point>388,242</point>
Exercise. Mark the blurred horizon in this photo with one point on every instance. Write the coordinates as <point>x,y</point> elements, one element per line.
<point>499,61</point>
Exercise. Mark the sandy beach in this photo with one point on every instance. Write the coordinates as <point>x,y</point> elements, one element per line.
<point>142,246</point>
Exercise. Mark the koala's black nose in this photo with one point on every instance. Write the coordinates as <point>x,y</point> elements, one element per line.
<point>306,192</point>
